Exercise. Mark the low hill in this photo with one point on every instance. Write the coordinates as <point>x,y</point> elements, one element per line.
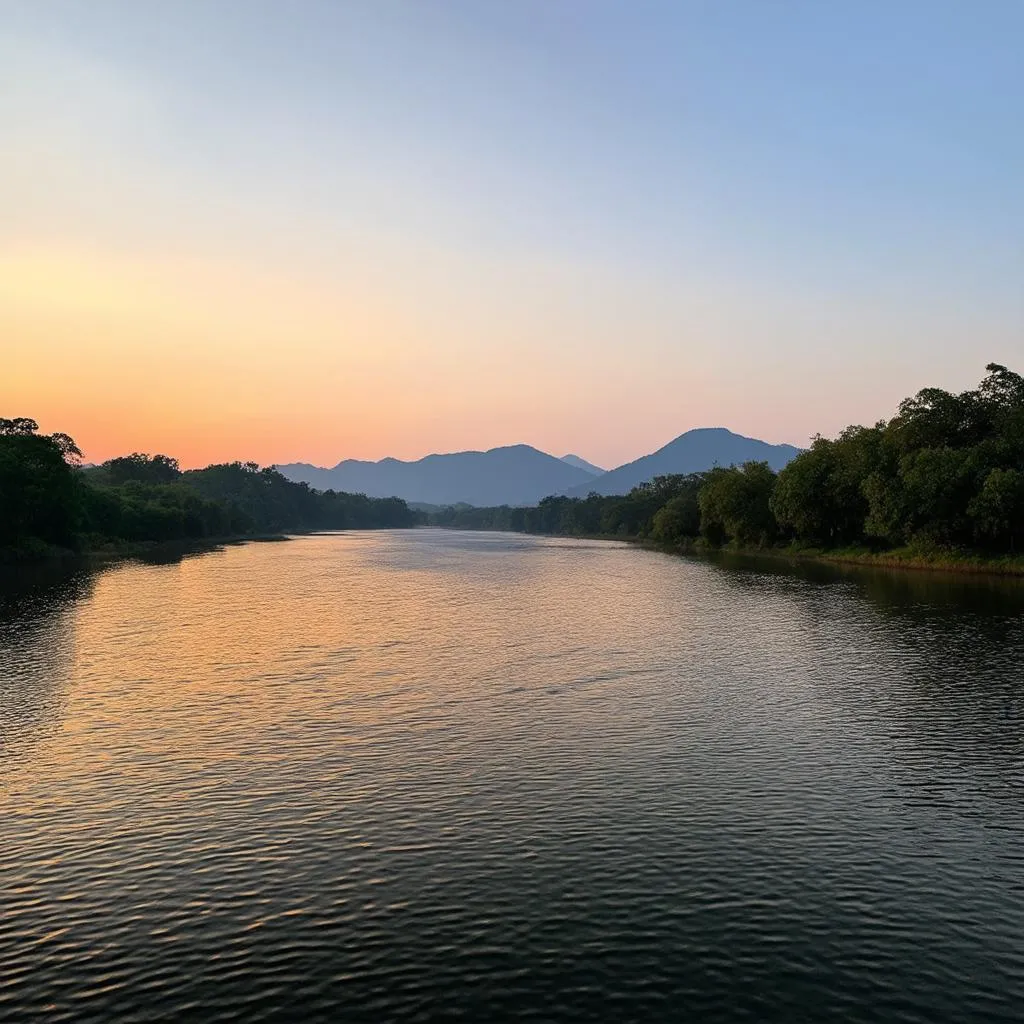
<point>513,475</point>
<point>692,452</point>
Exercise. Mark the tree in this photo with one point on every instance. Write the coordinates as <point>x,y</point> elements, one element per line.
<point>1001,388</point>
<point>38,492</point>
<point>803,500</point>
<point>20,426</point>
<point>997,511</point>
<point>143,468</point>
<point>677,520</point>
<point>939,484</point>
<point>66,446</point>
<point>735,504</point>
<point>820,495</point>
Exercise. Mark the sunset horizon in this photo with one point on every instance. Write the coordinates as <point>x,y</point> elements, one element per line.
<point>364,230</point>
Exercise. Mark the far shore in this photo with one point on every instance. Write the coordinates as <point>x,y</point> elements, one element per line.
<point>967,563</point>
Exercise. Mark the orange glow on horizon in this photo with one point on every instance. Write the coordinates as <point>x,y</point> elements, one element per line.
<point>214,360</point>
<point>207,363</point>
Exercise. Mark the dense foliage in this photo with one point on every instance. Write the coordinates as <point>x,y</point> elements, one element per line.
<point>946,472</point>
<point>46,499</point>
<point>38,496</point>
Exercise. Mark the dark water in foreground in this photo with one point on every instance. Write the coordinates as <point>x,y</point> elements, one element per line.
<point>424,775</point>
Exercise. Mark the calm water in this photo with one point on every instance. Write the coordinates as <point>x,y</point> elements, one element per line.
<point>426,775</point>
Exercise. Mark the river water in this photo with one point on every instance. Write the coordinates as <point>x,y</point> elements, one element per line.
<point>431,775</point>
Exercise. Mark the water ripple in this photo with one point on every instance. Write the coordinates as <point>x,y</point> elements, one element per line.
<point>424,775</point>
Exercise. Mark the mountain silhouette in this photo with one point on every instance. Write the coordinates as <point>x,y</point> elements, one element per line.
<point>575,460</point>
<point>692,452</point>
<point>513,475</point>
<point>521,475</point>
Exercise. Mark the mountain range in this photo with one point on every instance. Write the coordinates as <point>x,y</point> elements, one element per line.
<point>514,475</point>
<point>522,475</point>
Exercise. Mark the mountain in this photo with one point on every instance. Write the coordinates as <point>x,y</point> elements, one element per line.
<point>514,475</point>
<point>692,452</point>
<point>522,475</point>
<point>575,460</point>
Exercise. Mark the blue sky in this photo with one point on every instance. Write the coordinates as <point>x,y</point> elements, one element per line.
<point>393,228</point>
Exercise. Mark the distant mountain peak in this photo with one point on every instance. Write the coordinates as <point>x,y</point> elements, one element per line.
<point>579,463</point>
<point>694,451</point>
<point>513,448</point>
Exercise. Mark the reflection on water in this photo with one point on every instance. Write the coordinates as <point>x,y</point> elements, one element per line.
<point>956,686</point>
<point>421,774</point>
<point>36,647</point>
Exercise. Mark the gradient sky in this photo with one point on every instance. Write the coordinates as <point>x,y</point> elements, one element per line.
<point>325,229</point>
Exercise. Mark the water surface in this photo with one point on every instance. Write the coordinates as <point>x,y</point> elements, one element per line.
<point>427,775</point>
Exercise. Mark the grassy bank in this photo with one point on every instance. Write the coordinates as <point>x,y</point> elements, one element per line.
<point>909,558</point>
<point>934,559</point>
<point>937,559</point>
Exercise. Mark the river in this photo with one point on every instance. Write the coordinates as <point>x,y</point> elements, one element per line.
<point>427,775</point>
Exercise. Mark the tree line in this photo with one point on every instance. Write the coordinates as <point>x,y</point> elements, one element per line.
<point>946,472</point>
<point>47,499</point>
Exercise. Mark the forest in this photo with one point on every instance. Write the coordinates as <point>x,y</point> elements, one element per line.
<point>945,474</point>
<point>48,501</point>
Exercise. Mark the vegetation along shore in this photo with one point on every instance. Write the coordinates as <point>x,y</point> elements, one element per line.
<point>50,505</point>
<point>940,486</point>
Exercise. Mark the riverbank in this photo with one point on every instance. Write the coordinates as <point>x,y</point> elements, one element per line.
<point>937,560</point>
<point>35,551</point>
<point>908,558</point>
<point>915,559</point>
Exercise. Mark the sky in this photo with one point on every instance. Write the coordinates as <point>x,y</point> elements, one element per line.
<point>321,229</point>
